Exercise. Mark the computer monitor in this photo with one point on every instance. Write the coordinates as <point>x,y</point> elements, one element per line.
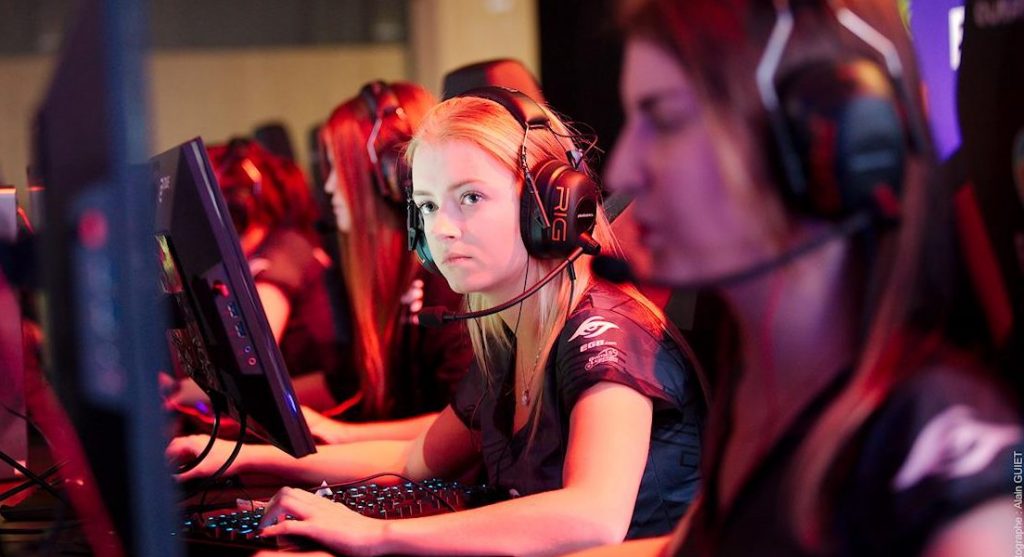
<point>220,335</point>
<point>102,320</point>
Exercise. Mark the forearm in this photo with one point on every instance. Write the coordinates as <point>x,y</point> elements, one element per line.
<point>333,463</point>
<point>402,430</point>
<point>550,523</point>
<point>647,547</point>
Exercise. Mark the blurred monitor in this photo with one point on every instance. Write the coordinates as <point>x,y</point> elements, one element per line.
<point>102,319</point>
<point>219,335</point>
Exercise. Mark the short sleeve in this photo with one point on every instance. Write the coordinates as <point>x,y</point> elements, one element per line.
<point>612,345</point>
<point>288,261</point>
<point>941,445</point>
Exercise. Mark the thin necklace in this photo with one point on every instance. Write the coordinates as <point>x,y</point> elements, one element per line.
<point>525,398</point>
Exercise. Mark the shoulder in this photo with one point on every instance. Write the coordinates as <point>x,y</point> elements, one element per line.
<point>951,419</point>
<point>286,240</point>
<point>613,337</point>
<point>289,260</point>
<point>940,445</point>
<point>606,311</point>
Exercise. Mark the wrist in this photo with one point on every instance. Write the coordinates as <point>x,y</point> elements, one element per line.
<point>385,539</point>
<point>255,459</point>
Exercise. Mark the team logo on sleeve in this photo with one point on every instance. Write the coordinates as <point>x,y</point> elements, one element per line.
<point>593,327</point>
<point>606,355</point>
<point>954,444</point>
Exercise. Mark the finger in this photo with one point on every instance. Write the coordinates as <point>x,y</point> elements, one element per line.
<point>416,306</point>
<point>180,449</point>
<point>288,502</point>
<point>287,528</point>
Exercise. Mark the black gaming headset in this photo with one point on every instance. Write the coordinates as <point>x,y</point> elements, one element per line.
<point>389,133</point>
<point>558,204</point>
<point>841,129</point>
<point>243,199</point>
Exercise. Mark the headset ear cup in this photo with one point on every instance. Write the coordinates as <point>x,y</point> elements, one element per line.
<point>425,257</point>
<point>390,172</point>
<point>418,238</point>
<point>530,228</point>
<point>570,199</point>
<point>845,126</point>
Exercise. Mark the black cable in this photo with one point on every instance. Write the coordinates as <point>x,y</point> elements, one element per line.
<point>209,446</point>
<point>46,473</point>
<point>212,480</point>
<point>242,419</point>
<point>31,475</point>
<point>29,483</point>
<point>572,288</point>
<point>439,315</point>
<point>618,271</point>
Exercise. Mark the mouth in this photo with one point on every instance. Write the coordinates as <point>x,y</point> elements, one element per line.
<point>454,258</point>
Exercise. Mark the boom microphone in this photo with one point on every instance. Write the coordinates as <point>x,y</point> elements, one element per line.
<point>436,316</point>
<point>613,206</point>
<point>617,270</point>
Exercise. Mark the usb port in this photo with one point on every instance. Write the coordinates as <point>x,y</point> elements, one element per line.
<point>233,309</point>
<point>240,329</point>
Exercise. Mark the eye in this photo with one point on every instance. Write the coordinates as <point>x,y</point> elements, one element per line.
<point>427,207</point>
<point>668,122</point>
<point>471,198</point>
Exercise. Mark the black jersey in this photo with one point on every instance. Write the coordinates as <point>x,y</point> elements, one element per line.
<point>609,337</point>
<point>943,442</point>
<point>310,341</point>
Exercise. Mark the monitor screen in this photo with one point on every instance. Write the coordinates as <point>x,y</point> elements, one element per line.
<point>219,335</point>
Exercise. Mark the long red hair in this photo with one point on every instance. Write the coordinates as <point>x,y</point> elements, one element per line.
<point>375,263</point>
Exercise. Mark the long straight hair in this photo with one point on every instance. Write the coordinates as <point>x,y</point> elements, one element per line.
<point>490,127</point>
<point>375,263</point>
<point>910,276</point>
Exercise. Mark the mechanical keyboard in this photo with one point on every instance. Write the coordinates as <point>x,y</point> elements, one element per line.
<point>237,527</point>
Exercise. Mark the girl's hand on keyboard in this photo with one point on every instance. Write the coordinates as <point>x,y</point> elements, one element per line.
<point>296,512</point>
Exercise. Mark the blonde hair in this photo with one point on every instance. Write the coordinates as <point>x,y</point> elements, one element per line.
<point>489,126</point>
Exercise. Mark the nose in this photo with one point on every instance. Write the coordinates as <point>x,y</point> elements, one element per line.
<point>445,225</point>
<point>331,184</point>
<point>624,172</point>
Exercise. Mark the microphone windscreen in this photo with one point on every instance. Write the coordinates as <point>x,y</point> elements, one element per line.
<point>612,269</point>
<point>432,316</point>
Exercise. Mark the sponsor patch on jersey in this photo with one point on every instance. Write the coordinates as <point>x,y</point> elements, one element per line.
<point>954,444</point>
<point>605,356</point>
<point>593,327</point>
<point>596,343</point>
